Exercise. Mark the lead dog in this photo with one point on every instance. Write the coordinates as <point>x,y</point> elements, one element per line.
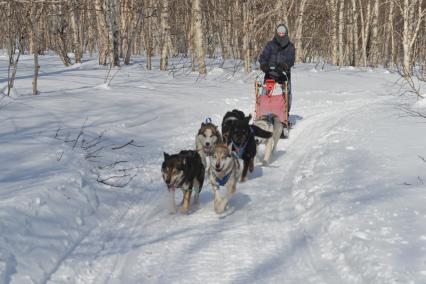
<point>269,123</point>
<point>185,171</point>
<point>224,171</point>
<point>207,137</point>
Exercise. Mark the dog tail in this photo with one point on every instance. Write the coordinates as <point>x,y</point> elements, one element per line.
<point>259,132</point>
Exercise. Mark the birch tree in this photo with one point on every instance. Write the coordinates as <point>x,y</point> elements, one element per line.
<point>34,25</point>
<point>165,34</point>
<point>246,36</point>
<point>333,13</point>
<point>413,13</point>
<point>390,47</point>
<point>147,34</point>
<point>341,26</point>
<point>75,8</point>
<point>114,32</point>
<point>365,29</point>
<point>198,36</point>
<point>103,34</point>
<point>299,31</point>
<point>374,50</point>
<point>355,33</point>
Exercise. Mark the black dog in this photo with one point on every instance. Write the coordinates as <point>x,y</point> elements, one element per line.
<point>184,170</point>
<point>229,118</point>
<point>242,143</point>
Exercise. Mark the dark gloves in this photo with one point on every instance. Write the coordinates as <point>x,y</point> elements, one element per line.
<point>283,67</point>
<point>264,67</point>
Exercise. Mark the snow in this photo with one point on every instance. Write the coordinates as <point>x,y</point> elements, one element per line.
<point>341,202</point>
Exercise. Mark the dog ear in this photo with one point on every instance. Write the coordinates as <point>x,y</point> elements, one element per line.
<point>203,124</point>
<point>166,156</point>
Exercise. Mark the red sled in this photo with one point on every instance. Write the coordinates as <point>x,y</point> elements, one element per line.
<point>272,98</point>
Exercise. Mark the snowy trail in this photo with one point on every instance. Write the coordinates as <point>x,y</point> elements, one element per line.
<point>273,220</point>
<point>341,201</point>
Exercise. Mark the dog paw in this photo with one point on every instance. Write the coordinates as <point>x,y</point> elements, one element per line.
<point>217,207</point>
<point>221,206</point>
<point>265,163</point>
<point>184,210</point>
<point>243,179</point>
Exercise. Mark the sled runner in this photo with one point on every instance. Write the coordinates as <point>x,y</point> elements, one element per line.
<point>272,98</point>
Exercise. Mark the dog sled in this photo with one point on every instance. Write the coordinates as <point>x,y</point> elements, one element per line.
<point>272,98</point>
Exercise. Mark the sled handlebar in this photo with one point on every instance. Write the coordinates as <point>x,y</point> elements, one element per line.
<point>274,73</point>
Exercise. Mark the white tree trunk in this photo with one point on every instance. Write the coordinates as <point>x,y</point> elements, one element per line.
<point>406,35</point>
<point>103,35</point>
<point>246,38</point>
<point>413,14</point>
<point>365,29</point>
<point>355,37</point>
<point>199,36</point>
<point>75,26</point>
<point>390,38</point>
<point>341,28</point>
<point>299,32</point>
<point>34,24</point>
<point>333,9</point>
<point>374,53</point>
<point>147,34</point>
<point>114,32</point>
<point>165,34</point>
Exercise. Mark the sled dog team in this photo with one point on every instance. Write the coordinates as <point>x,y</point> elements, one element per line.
<point>218,155</point>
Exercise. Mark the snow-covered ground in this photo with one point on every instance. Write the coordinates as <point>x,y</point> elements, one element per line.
<point>343,200</point>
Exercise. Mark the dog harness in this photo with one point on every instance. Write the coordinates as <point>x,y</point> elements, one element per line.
<point>224,180</point>
<point>239,150</point>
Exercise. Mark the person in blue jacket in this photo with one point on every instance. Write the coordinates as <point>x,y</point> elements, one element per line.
<point>278,57</point>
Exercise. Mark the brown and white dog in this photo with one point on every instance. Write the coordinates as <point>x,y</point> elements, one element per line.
<point>224,171</point>
<point>185,171</point>
<point>207,137</point>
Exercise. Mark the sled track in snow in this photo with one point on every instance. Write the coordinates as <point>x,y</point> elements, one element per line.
<point>332,266</point>
<point>138,243</point>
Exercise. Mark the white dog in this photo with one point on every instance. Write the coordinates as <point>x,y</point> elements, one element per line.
<point>270,123</point>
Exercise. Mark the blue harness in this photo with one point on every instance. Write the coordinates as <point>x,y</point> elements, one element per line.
<point>239,150</point>
<point>224,180</point>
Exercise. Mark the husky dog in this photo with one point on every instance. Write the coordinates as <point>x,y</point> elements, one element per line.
<point>185,171</point>
<point>224,171</point>
<point>208,136</point>
<point>241,141</point>
<point>269,123</point>
<point>229,118</point>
